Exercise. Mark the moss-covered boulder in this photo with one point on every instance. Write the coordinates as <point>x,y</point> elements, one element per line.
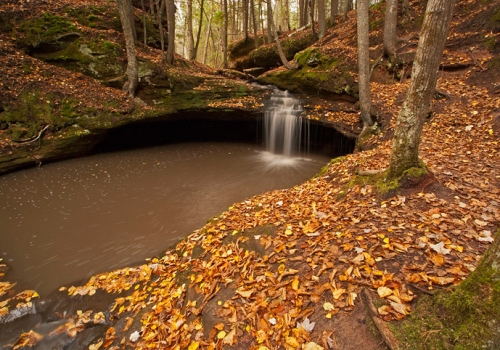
<point>316,74</point>
<point>267,55</point>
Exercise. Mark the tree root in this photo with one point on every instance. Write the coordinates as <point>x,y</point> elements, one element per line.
<point>35,138</point>
<point>389,338</point>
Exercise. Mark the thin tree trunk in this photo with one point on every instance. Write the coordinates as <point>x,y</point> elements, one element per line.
<point>170,8</point>
<point>189,30</point>
<point>152,7</point>
<point>144,23</point>
<point>198,35</point>
<point>334,10</point>
<point>160,5</point>
<point>224,35</point>
<point>132,65</point>
<point>254,21</point>
<point>245,19</point>
<point>269,21</point>
<point>364,62</point>
<point>311,15</point>
<point>390,36</point>
<point>130,13</point>
<point>209,29</point>
<point>321,18</point>
<point>287,14</point>
<point>276,38</point>
<point>410,121</point>
<point>346,10</point>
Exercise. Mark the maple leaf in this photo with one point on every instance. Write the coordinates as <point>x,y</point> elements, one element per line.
<point>306,325</point>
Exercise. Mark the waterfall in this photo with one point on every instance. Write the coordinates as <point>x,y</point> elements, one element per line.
<point>282,125</point>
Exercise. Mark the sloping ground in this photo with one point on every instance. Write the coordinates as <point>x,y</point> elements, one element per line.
<point>286,269</point>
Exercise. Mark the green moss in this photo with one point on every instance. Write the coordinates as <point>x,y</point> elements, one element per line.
<point>494,63</point>
<point>89,16</point>
<point>43,29</point>
<point>324,170</point>
<point>490,43</point>
<point>465,317</point>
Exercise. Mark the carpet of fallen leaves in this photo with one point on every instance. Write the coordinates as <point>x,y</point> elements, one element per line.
<point>277,268</point>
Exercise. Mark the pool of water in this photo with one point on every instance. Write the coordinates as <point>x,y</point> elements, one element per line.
<point>66,221</point>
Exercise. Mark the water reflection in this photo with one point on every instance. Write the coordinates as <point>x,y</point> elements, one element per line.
<point>72,219</point>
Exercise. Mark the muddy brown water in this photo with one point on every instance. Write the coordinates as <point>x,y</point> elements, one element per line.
<point>69,220</point>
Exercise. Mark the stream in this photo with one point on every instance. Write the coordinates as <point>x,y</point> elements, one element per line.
<point>69,220</point>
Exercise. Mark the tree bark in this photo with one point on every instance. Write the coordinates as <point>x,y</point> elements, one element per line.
<point>189,30</point>
<point>159,5</point>
<point>334,9</point>
<point>269,21</point>
<point>245,19</point>
<point>130,13</point>
<point>132,65</point>
<point>170,8</point>
<point>345,9</point>
<point>311,16</point>
<point>255,23</point>
<point>276,38</point>
<point>224,34</point>
<point>410,121</point>
<point>390,36</point>
<point>145,38</point>
<point>321,18</point>
<point>364,62</point>
<point>198,36</point>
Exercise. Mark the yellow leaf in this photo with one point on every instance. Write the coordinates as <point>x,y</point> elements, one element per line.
<point>313,346</point>
<point>221,335</point>
<point>194,345</point>
<point>384,291</point>
<point>328,306</point>
<point>295,283</point>
<point>338,292</point>
<point>292,341</point>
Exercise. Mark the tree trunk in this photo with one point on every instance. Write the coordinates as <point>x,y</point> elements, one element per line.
<point>132,65</point>
<point>224,35</point>
<point>321,18</point>
<point>406,6</point>
<point>364,62</point>
<point>198,36</point>
<point>145,39</point>
<point>345,9</point>
<point>269,21</point>
<point>189,30</point>
<point>311,16</point>
<point>159,5</point>
<point>410,121</point>
<point>245,19</point>
<point>130,13</point>
<point>170,8</point>
<point>390,36</point>
<point>151,7</point>
<point>276,38</point>
<point>207,38</point>
<point>255,23</point>
<point>334,10</point>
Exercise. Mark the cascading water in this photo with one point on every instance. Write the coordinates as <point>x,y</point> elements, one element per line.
<point>283,125</point>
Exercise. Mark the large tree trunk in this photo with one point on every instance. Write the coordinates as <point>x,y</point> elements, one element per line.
<point>132,65</point>
<point>423,82</point>
<point>364,62</point>
<point>345,9</point>
<point>189,30</point>
<point>390,36</point>
<point>269,21</point>
<point>170,5</point>
<point>130,13</point>
<point>321,18</point>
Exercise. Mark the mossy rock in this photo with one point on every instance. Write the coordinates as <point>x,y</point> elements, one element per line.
<point>317,74</point>
<point>46,28</point>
